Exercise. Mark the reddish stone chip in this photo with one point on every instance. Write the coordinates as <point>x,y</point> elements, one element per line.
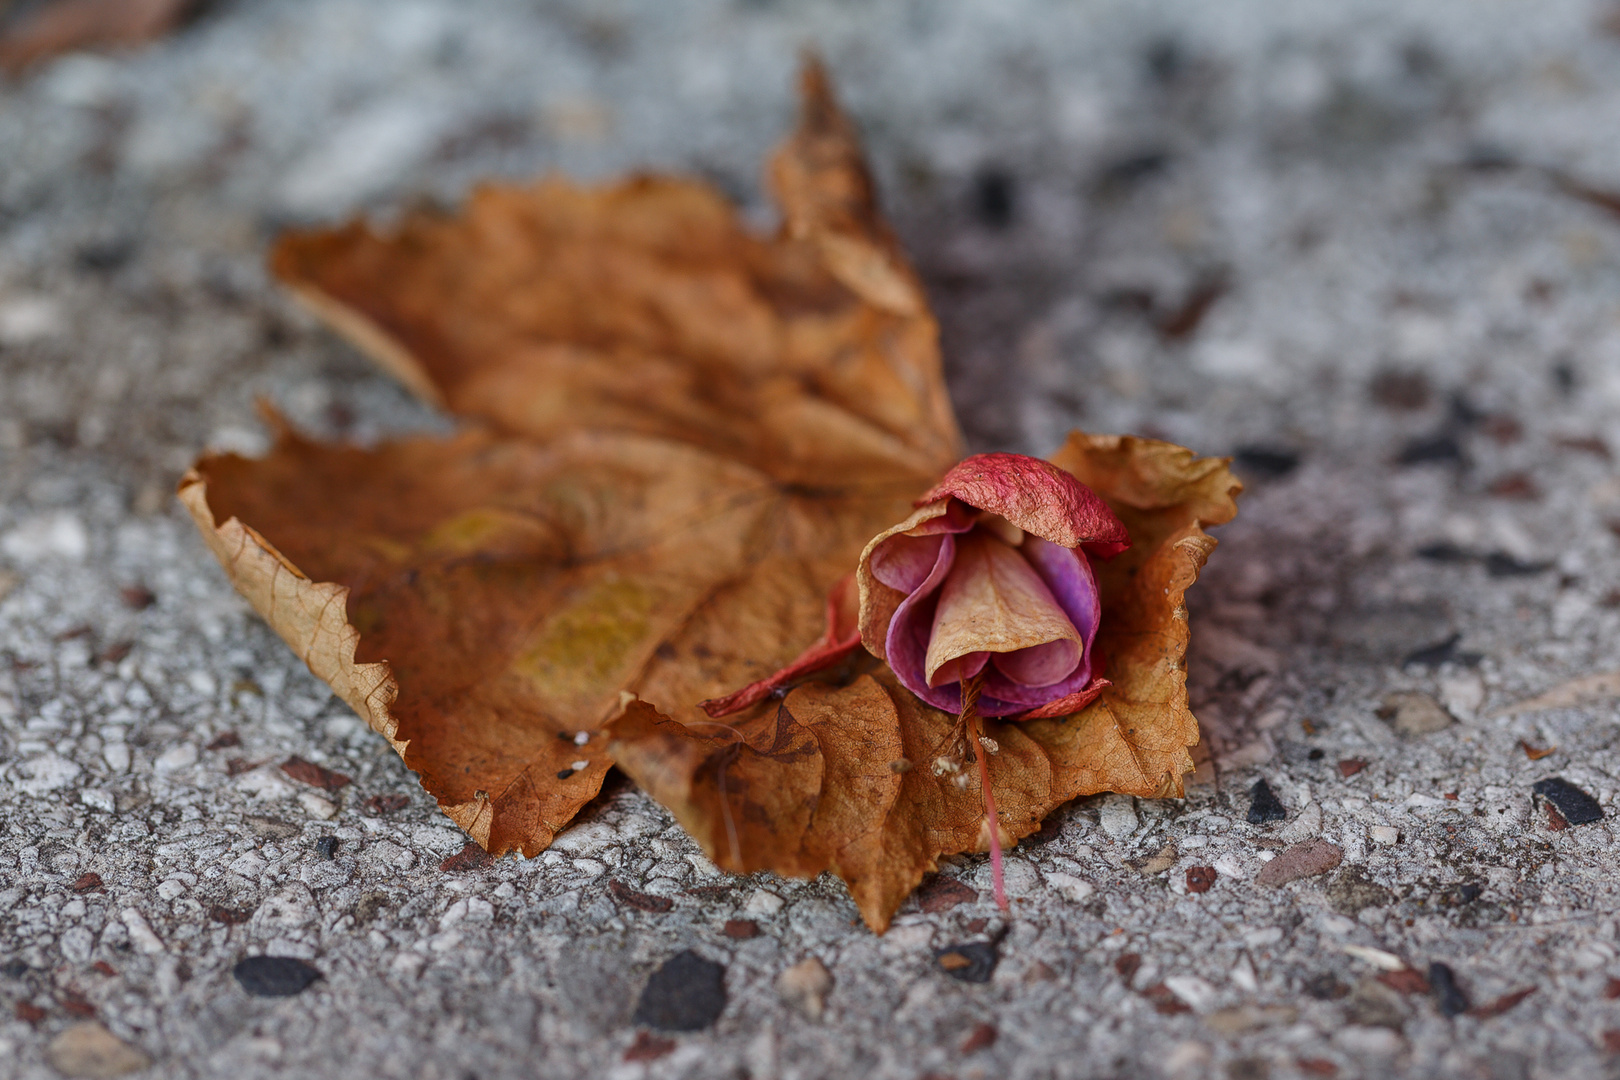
<point>1348,768</point>
<point>982,1036</point>
<point>741,929</point>
<point>30,1013</point>
<point>1406,981</point>
<point>1165,1001</point>
<point>88,882</point>
<point>1504,1003</point>
<point>1300,861</point>
<point>224,741</point>
<point>378,805</point>
<point>471,857</point>
<point>641,901</point>
<point>648,1047</point>
<point>944,893</point>
<point>1200,879</point>
<point>307,772</point>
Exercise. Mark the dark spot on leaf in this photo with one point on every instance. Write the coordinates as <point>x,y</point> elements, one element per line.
<point>307,772</point>
<point>470,857</point>
<point>688,993</point>
<point>971,962</point>
<point>1577,807</point>
<point>1447,994</point>
<point>564,774</point>
<point>641,901</point>
<point>1264,806</point>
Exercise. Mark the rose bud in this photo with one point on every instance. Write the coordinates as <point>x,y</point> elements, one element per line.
<point>990,578</point>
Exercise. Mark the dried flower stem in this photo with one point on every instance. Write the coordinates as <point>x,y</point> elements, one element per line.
<point>974,728</point>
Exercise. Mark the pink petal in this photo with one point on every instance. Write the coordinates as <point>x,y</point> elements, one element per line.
<point>1036,496</point>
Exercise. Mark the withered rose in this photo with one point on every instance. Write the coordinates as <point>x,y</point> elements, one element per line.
<point>990,577</point>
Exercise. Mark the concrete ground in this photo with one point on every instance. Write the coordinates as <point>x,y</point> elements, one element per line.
<point>1363,245</point>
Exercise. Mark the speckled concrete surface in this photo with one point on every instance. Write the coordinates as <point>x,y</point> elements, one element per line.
<point>1342,238</point>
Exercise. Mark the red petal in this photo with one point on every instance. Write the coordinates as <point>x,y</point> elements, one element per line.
<point>1069,704</point>
<point>1036,496</point>
<point>841,638</point>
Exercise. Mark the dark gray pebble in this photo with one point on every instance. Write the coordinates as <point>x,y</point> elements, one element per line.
<point>326,847</point>
<point>274,976</point>
<point>1577,806</point>
<point>688,993</point>
<point>1447,994</point>
<point>1264,806</point>
<point>973,962</point>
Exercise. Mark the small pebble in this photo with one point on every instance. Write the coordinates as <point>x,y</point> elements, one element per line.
<point>1264,806</point>
<point>326,847</point>
<point>87,882</point>
<point>1200,879</point>
<point>1384,834</point>
<point>804,987</point>
<point>470,857</point>
<point>1448,995</point>
<point>275,976</point>
<point>1577,807</point>
<point>688,993</point>
<point>649,1047</point>
<point>943,893</point>
<point>982,1037</point>
<point>741,929</point>
<point>1303,860</point>
<point>972,962</point>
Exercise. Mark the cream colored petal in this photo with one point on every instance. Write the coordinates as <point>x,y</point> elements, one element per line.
<point>993,601</point>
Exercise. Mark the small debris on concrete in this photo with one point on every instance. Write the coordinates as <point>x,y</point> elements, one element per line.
<point>1235,1021</point>
<point>1413,714</point>
<point>970,962</point>
<point>229,916</point>
<point>89,881</point>
<point>378,805</point>
<point>1384,835</point>
<point>1348,767</point>
<point>29,1013</point>
<point>1126,965</point>
<point>1577,807</point>
<point>1405,981</point>
<point>77,1006</point>
<point>275,976</point>
<point>1447,994</point>
<point>687,993</point>
<point>1264,806</point>
<point>649,1047</point>
<point>1555,820</point>
<point>1536,753</point>
<point>943,893</point>
<point>1307,859</point>
<point>1165,1000</point>
<point>470,857</point>
<point>641,901</point>
<point>137,597</point>
<point>982,1037</point>
<point>741,929</point>
<point>89,1050</point>
<point>804,987</point>
<point>1200,879</point>
<point>326,847</point>
<point>224,741</point>
<point>1501,1004</point>
<point>307,772</point>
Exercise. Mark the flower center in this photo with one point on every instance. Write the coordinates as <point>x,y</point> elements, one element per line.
<point>993,605</point>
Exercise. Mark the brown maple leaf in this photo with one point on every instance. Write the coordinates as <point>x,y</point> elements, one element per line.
<point>853,775</point>
<point>693,432</point>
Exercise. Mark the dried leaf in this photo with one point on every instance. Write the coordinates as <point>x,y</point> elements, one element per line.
<point>698,429</point>
<point>806,786</point>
